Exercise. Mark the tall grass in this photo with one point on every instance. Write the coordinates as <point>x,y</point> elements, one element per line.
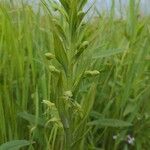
<point>70,82</point>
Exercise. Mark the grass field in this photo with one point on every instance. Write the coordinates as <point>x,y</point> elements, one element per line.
<point>72,82</point>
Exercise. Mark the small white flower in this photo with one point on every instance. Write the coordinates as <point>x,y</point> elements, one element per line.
<point>130,140</point>
<point>115,137</point>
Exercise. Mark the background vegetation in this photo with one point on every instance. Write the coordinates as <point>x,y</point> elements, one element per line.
<point>70,82</point>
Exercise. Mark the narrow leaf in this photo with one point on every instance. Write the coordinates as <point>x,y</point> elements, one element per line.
<point>110,123</point>
<point>88,101</point>
<point>32,118</point>
<point>60,53</point>
<point>15,145</point>
<point>107,53</point>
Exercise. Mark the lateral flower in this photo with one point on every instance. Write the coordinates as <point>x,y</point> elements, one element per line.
<point>84,44</point>
<point>92,73</point>
<point>53,69</point>
<point>68,94</point>
<point>49,56</point>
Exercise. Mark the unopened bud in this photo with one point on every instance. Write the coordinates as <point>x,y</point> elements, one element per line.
<point>92,73</point>
<point>81,13</point>
<point>49,56</point>
<point>48,103</point>
<point>53,69</point>
<point>84,44</point>
<point>68,94</point>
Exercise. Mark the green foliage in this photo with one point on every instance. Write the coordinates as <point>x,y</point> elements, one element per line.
<point>110,123</point>
<point>14,145</point>
<point>68,81</point>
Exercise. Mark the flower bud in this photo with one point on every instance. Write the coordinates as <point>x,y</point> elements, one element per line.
<point>68,94</point>
<point>84,44</point>
<point>48,103</point>
<point>53,69</point>
<point>92,73</point>
<point>81,14</point>
<point>49,56</point>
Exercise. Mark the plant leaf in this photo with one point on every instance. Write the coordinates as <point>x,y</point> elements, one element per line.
<point>32,118</point>
<point>60,53</point>
<point>15,145</point>
<point>88,101</point>
<point>107,53</point>
<point>110,123</point>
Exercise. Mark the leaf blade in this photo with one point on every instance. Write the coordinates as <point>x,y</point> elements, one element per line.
<point>15,145</point>
<point>110,123</point>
